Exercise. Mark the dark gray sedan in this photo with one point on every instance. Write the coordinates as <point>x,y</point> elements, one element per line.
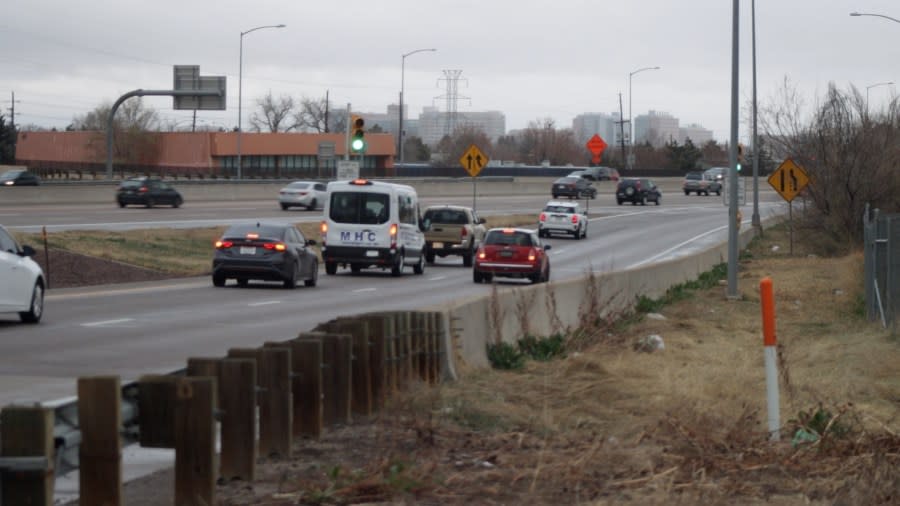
<point>265,252</point>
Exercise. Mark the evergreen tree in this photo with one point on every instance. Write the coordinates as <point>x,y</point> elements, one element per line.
<point>7,142</point>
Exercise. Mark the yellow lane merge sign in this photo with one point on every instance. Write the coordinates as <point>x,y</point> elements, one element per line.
<point>789,179</point>
<point>473,160</point>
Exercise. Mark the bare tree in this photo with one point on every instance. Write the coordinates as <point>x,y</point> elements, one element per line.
<point>453,147</point>
<point>275,115</point>
<point>134,140</point>
<point>541,141</point>
<point>311,115</point>
<point>850,155</point>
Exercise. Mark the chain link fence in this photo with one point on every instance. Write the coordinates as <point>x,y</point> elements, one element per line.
<point>882,267</point>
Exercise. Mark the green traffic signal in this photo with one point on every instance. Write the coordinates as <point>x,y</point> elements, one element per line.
<point>357,134</point>
<point>738,167</point>
<point>358,145</point>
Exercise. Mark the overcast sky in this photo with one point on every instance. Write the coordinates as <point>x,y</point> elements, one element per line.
<point>528,59</point>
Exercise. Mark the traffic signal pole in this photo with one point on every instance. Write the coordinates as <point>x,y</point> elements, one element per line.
<point>732,292</point>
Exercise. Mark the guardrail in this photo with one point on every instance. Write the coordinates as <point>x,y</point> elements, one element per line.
<point>345,367</point>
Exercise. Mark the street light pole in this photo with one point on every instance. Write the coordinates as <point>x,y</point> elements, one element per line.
<point>872,86</point>
<point>755,220</point>
<point>240,91</point>
<point>402,83</point>
<point>876,15</point>
<point>628,163</point>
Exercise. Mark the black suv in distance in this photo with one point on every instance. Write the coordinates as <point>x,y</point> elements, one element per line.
<point>19,177</point>
<point>573,187</point>
<point>147,191</point>
<point>637,191</point>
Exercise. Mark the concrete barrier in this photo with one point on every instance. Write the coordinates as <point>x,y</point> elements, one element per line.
<point>204,191</point>
<point>549,308</point>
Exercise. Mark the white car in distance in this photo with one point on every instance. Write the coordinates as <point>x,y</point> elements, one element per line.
<point>563,217</point>
<point>308,194</point>
<point>21,280</point>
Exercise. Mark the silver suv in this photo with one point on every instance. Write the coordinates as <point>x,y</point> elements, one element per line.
<point>563,217</point>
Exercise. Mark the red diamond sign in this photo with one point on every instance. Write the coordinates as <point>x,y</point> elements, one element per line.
<point>596,145</point>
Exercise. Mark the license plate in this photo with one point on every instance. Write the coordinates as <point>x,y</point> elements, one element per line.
<point>437,245</point>
<point>248,250</point>
<point>506,254</point>
<point>371,253</point>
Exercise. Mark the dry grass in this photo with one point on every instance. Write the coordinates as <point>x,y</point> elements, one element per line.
<point>180,252</point>
<point>683,425</point>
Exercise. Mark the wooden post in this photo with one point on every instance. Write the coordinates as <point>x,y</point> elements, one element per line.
<point>27,432</point>
<point>361,396</point>
<point>275,406</point>
<point>100,452</point>
<point>195,441</point>
<point>377,359</point>
<point>237,377</point>
<point>337,378</point>
<point>156,410</point>
<point>306,369</point>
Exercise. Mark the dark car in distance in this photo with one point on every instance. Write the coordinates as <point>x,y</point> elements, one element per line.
<point>573,187</point>
<point>147,192</point>
<point>19,177</point>
<point>265,252</point>
<point>512,253</point>
<point>637,190</point>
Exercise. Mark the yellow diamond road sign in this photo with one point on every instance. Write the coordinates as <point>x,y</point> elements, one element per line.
<point>473,160</point>
<point>789,179</point>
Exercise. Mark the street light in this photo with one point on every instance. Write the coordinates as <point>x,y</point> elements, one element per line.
<point>872,86</point>
<point>876,15</point>
<point>630,125</point>
<point>402,79</point>
<point>240,82</point>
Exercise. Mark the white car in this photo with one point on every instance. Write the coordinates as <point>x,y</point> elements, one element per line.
<point>308,194</point>
<point>21,280</point>
<point>563,217</point>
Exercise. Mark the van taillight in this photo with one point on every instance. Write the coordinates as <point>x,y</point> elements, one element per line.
<point>324,227</point>
<point>393,232</point>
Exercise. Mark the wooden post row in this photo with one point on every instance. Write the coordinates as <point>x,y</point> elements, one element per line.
<point>100,452</point>
<point>27,432</point>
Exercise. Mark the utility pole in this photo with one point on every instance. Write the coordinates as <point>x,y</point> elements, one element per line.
<point>621,123</point>
<point>326,111</point>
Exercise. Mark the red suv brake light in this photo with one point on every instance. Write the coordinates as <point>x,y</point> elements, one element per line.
<point>543,217</point>
<point>574,218</point>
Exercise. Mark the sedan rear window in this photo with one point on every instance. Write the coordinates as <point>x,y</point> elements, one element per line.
<point>264,231</point>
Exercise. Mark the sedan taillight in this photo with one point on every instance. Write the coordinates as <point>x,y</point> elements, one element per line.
<point>275,246</point>
<point>224,244</point>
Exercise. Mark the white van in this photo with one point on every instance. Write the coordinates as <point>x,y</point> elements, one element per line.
<point>372,224</point>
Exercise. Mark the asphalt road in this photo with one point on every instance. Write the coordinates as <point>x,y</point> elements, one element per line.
<point>129,330</point>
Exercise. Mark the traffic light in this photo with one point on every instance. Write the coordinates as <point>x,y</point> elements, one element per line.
<point>740,156</point>
<point>357,135</point>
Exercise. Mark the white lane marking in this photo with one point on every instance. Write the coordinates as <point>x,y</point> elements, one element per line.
<point>673,248</point>
<point>557,251</point>
<point>437,278</point>
<point>264,303</point>
<point>107,322</point>
<point>361,290</point>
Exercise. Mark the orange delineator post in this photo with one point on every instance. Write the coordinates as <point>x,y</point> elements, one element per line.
<point>770,342</point>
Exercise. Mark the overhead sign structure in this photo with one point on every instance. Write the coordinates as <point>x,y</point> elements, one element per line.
<point>473,160</point>
<point>596,145</point>
<point>789,179</point>
<point>188,78</point>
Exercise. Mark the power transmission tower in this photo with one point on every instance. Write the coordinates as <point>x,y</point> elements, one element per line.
<point>452,97</point>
